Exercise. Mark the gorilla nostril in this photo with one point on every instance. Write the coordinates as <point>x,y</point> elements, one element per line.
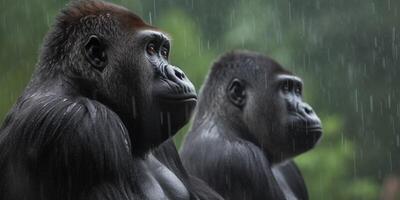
<point>179,74</point>
<point>308,110</point>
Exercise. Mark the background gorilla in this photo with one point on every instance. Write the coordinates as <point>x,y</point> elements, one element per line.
<point>250,120</point>
<point>102,96</point>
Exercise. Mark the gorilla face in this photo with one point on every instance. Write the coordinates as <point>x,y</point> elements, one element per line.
<point>302,128</point>
<point>152,97</point>
<point>170,94</point>
<point>173,93</point>
<point>276,116</point>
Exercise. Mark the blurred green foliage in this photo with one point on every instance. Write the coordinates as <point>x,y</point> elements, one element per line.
<point>347,52</point>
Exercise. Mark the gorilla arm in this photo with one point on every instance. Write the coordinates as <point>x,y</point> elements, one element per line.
<point>228,173</point>
<point>64,148</point>
<point>289,176</point>
<point>168,155</point>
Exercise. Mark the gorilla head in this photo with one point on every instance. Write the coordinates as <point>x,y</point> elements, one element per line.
<point>109,54</point>
<point>264,102</point>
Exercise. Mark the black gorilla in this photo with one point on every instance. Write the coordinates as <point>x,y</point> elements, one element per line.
<point>250,121</point>
<point>102,96</point>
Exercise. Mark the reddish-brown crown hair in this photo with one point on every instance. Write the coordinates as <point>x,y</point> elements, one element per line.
<point>81,8</point>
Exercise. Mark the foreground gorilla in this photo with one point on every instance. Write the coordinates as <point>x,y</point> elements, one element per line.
<point>250,121</point>
<point>102,96</point>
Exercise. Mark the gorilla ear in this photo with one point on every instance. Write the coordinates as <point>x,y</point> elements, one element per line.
<point>95,52</point>
<point>237,92</point>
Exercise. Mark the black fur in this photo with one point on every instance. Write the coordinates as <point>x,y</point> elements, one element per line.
<point>63,147</point>
<point>98,102</point>
<point>250,121</point>
<point>169,156</point>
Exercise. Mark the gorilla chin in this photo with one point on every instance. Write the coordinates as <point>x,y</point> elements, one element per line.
<point>175,113</point>
<point>304,134</point>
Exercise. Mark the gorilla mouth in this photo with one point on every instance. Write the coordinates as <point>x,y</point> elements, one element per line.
<point>302,124</point>
<point>313,133</point>
<point>179,97</point>
<point>305,128</point>
<point>314,129</point>
<point>173,92</point>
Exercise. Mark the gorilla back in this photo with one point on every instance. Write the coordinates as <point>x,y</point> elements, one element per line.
<point>250,121</point>
<point>102,96</point>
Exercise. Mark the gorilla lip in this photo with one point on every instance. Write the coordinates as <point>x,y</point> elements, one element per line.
<point>314,128</point>
<point>182,97</point>
<point>309,128</point>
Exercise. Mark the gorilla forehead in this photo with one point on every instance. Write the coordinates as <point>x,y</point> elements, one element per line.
<point>245,64</point>
<point>249,66</point>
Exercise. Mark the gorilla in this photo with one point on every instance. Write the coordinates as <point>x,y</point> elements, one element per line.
<point>249,123</point>
<point>103,95</point>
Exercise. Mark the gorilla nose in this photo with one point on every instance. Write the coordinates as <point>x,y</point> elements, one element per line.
<point>175,74</point>
<point>308,109</point>
<point>305,109</point>
<point>179,74</point>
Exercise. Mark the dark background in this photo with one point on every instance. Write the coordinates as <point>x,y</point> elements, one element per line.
<point>347,52</point>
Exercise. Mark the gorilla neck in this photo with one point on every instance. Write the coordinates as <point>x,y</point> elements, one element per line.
<point>218,124</point>
<point>58,85</point>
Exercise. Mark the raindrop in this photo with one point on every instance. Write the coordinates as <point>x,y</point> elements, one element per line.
<point>390,162</point>
<point>154,8</point>
<point>169,123</point>
<point>398,110</point>
<point>354,164</point>
<point>373,7</point>
<point>362,118</point>
<point>356,100</point>
<point>371,103</point>
<point>150,19</point>
<point>383,63</point>
<point>161,118</point>
<point>290,11</point>
<point>342,138</point>
<point>134,107</point>
<point>318,4</point>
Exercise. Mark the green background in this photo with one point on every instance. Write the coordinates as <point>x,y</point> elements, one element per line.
<point>347,52</point>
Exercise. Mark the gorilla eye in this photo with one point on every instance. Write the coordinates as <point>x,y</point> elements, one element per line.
<point>298,90</point>
<point>151,49</point>
<point>285,86</point>
<point>164,52</point>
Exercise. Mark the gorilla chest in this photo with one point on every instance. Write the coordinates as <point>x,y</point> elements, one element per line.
<point>284,186</point>
<point>161,183</point>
